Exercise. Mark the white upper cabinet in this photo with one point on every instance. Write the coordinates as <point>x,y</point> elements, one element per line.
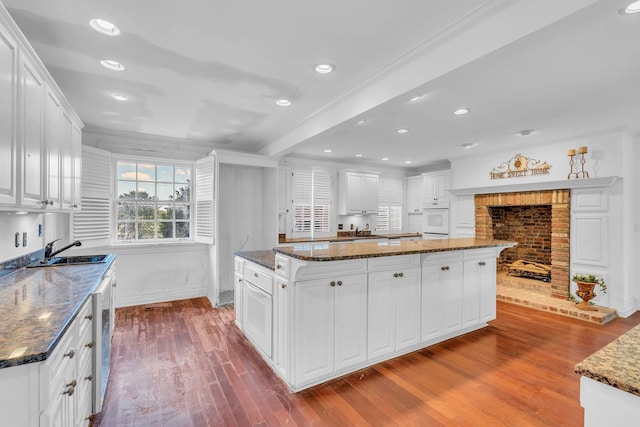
<point>40,155</point>
<point>8,110</point>
<point>357,193</point>
<point>415,194</point>
<point>436,186</point>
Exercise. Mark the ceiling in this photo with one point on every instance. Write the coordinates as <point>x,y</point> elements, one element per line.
<point>208,73</point>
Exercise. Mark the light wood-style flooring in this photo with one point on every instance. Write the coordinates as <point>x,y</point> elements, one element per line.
<point>185,363</point>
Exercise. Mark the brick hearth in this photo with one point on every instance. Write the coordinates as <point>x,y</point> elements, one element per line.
<point>560,221</point>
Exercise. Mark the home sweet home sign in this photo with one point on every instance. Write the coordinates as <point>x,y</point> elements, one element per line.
<point>520,165</point>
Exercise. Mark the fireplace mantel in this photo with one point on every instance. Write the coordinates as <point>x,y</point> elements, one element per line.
<point>537,186</point>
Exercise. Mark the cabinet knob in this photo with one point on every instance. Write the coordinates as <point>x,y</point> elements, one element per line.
<point>445,268</point>
<point>395,274</point>
<point>75,206</point>
<point>47,202</point>
<point>89,344</point>
<point>401,274</point>
<point>255,274</point>
<point>69,391</point>
<point>482,263</point>
<point>339,282</point>
<point>283,285</point>
<point>73,383</point>
<point>89,377</point>
<point>70,354</point>
<point>89,316</point>
<point>332,283</point>
<point>279,267</point>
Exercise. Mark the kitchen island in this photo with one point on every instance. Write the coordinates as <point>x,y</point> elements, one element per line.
<point>326,310</point>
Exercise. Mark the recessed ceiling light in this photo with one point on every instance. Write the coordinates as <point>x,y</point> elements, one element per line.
<point>112,65</point>
<point>408,162</point>
<point>361,122</point>
<point>468,145</point>
<point>358,155</point>
<point>119,96</point>
<point>324,68</point>
<point>327,151</point>
<point>403,130</point>
<point>283,102</point>
<point>461,111</point>
<point>633,7</point>
<point>384,158</point>
<point>526,132</point>
<point>104,27</point>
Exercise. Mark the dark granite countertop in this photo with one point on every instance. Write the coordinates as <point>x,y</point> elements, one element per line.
<point>338,251</point>
<point>37,305</point>
<point>616,364</point>
<point>265,258</point>
<point>351,238</point>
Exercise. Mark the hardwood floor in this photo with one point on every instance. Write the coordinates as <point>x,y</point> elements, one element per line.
<point>185,363</point>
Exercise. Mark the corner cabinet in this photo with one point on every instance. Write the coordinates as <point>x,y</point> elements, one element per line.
<point>357,193</point>
<point>32,138</point>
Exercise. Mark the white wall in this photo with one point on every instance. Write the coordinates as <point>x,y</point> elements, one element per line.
<point>10,223</point>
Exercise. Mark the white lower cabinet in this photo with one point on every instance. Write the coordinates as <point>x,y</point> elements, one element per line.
<point>281,325</point>
<point>330,324</point>
<point>479,304</point>
<point>441,295</point>
<point>394,311</point>
<point>237,297</point>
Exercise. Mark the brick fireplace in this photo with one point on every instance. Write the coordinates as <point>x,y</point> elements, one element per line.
<point>539,221</point>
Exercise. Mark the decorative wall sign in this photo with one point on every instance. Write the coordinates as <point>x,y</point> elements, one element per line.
<point>520,165</point>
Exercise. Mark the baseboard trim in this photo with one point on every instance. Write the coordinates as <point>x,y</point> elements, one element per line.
<point>160,297</point>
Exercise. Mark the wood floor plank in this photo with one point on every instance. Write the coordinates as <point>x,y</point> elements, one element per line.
<point>185,363</point>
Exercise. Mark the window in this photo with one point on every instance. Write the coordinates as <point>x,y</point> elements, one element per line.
<point>311,204</point>
<point>153,201</point>
<point>390,204</point>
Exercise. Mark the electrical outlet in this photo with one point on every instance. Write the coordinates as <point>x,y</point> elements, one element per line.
<point>17,239</point>
<point>24,238</point>
<point>39,230</point>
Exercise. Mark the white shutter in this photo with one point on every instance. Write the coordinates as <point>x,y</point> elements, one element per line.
<point>390,193</point>
<point>92,224</point>
<point>321,201</point>
<point>205,208</point>
<point>311,202</point>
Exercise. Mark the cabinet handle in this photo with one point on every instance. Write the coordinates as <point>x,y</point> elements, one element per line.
<point>89,377</point>
<point>73,383</point>
<point>47,202</point>
<point>69,391</point>
<point>445,268</point>
<point>89,316</point>
<point>339,282</point>
<point>239,280</point>
<point>283,286</point>
<point>395,274</point>
<point>89,345</point>
<point>401,274</point>
<point>482,263</point>
<point>70,354</point>
<point>332,283</point>
<point>255,274</point>
<point>74,206</point>
<point>279,267</point>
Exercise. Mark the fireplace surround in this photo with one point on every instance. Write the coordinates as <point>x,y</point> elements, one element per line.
<point>558,202</point>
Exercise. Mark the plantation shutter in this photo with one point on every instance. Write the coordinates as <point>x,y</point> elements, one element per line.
<point>390,191</point>
<point>92,224</point>
<point>311,202</point>
<point>205,200</point>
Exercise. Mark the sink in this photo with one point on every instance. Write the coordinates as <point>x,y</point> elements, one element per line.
<point>70,260</point>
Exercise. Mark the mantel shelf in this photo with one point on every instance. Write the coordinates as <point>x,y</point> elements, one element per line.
<point>536,186</point>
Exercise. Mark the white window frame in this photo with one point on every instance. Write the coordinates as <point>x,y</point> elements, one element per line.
<point>116,200</point>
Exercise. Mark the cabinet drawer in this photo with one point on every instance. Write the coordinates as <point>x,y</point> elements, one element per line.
<point>259,278</point>
<point>393,262</point>
<point>59,369</point>
<point>84,320</point>
<point>282,266</point>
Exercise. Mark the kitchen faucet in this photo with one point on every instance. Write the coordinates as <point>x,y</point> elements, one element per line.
<point>49,252</point>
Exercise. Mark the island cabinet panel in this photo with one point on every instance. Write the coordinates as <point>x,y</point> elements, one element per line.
<point>408,292</point>
<point>479,303</point>
<point>330,326</point>
<point>281,323</point>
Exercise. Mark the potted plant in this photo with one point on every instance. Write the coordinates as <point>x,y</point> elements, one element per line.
<point>586,284</point>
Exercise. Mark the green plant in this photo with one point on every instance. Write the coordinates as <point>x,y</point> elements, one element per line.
<point>590,278</point>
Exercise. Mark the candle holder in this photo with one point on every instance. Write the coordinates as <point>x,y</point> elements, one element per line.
<point>583,173</point>
<point>572,174</point>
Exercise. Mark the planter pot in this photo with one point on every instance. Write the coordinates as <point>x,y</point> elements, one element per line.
<point>585,291</point>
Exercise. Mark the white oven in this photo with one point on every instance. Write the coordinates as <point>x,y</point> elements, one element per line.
<point>435,221</point>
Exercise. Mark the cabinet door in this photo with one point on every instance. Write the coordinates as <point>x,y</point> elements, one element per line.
<point>487,276</point>
<point>350,320</point>
<point>407,308</point>
<point>382,314</point>
<point>432,296</point>
<point>355,192</point>
<point>66,145</point>
<point>280,326</point>
<point>8,124</point>
<point>76,161</point>
<point>430,188</point>
<point>32,134</point>
<point>370,194</point>
<point>313,330</point>
<point>358,193</point>
<point>52,117</point>
<point>237,298</point>
<point>471,293</point>
<point>442,185</point>
<point>414,194</point>
<point>452,296</point>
